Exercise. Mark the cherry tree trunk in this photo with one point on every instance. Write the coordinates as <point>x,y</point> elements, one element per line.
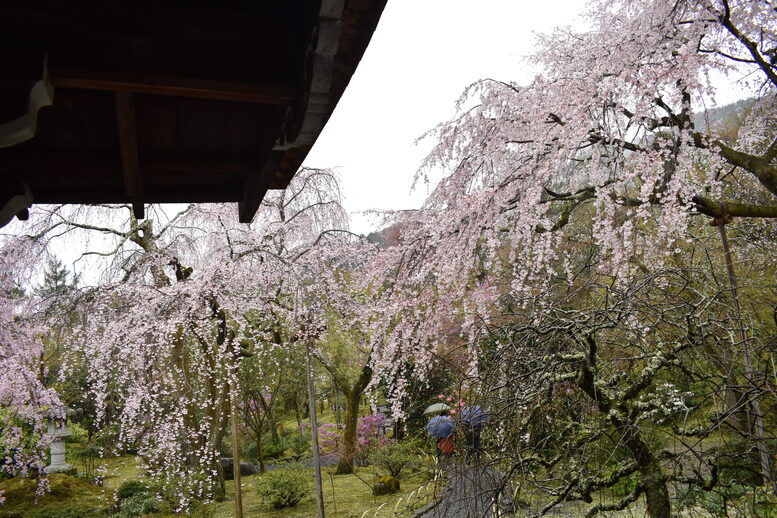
<point>734,398</point>
<point>217,484</point>
<point>268,414</point>
<point>259,451</point>
<point>352,398</point>
<point>651,475</point>
<point>345,465</point>
<point>272,426</point>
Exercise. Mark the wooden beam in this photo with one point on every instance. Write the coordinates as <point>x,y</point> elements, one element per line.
<point>164,163</point>
<point>97,196</point>
<point>63,170</point>
<point>128,145</point>
<point>256,186</point>
<point>177,86</point>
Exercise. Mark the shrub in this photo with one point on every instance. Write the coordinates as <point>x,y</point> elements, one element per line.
<point>130,488</point>
<point>179,491</point>
<point>270,449</point>
<point>299,443</point>
<point>369,435</point>
<point>274,450</point>
<point>77,433</point>
<point>66,511</point>
<point>140,504</point>
<point>251,452</point>
<point>88,456</point>
<point>394,457</point>
<point>284,487</point>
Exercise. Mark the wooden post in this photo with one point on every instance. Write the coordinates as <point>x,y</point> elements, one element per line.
<point>236,458</point>
<point>314,432</point>
<point>757,425</point>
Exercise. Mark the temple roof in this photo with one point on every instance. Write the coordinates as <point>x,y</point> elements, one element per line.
<point>107,101</point>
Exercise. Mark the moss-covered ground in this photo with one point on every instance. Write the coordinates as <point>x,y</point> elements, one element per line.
<point>69,497</point>
<point>345,496</point>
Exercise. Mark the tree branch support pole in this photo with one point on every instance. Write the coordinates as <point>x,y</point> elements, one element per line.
<point>757,425</point>
<point>314,430</point>
<point>236,457</point>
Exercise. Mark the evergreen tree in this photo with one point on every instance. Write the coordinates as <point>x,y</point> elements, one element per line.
<point>55,279</point>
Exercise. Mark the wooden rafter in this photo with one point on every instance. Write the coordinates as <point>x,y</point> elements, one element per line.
<point>176,86</point>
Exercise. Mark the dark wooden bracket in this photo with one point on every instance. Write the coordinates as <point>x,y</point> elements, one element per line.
<point>128,144</point>
<point>256,186</point>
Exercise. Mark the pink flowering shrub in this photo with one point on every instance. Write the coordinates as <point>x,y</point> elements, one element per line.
<point>329,438</point>
<point>369,436</point>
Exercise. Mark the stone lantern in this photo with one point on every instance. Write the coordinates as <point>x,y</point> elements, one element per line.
<point>58,431</point>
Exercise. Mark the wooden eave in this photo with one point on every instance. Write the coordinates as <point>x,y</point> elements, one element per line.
<point>168,101</point>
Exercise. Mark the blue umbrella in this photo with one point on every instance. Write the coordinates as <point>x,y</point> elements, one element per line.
<point>440,426</point>
<point>473,415</point>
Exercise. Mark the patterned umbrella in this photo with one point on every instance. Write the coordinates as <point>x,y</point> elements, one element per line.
<point>440,426</point>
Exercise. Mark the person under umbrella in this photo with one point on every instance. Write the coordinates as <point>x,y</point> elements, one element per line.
<point>473,417</point>
<point>441,427</point>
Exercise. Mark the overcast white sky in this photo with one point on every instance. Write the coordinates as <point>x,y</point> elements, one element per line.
<point>421,57</point>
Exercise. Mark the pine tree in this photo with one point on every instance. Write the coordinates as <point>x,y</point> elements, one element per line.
<point>55,279</point>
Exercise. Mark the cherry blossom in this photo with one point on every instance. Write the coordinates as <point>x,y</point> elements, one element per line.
<point>25,403</point>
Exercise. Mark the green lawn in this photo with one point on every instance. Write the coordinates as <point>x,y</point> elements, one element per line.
<point>345,496</point>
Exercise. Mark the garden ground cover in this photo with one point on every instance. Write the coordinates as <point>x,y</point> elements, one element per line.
<point>345,496</point>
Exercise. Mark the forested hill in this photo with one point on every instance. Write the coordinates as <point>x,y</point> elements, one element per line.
<point>724,118</point>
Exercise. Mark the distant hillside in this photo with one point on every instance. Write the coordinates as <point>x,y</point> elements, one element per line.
<point>724,119</point>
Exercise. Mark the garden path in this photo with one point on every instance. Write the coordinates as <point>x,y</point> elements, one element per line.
<point>470,493</point>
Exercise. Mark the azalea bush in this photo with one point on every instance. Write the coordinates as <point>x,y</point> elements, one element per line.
<point>369,435</point>
<point>130,488</point>
<point>329,436</point>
